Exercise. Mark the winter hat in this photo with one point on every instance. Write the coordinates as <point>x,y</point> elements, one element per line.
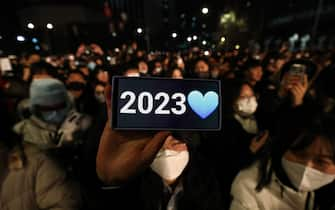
<point>47,92</point>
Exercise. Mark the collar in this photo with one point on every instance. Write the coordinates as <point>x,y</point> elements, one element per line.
<point>249,124</point>
<point>41,124</point>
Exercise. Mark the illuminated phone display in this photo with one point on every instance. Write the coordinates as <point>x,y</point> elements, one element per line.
<point>166,104</point>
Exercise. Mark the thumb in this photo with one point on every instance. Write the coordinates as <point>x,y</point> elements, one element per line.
<point>305,81</point>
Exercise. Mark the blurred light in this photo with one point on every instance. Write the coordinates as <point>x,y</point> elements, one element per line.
<point>206,53</point>
<point>189,39</point>
<point>295,37</point>
<point>223,39</point>
<point>228,17</point>
<point>204,26</point>
<point>204,42</point>
<point>117,50</point>
<point>195,37</point>
<point>306,38</point>
<point>174,35</point>
<point>213,46</point>
<point>20,38</point>
<point>223,20</point>
<point>108,58</point>
<point>30,26</point>
<point>204,10</point>
<point>248,4</point>
<point>71,57</point>
<point>114,34</point>
<point>50,26</point>
<point>37,47</point>
<point>182,16</point>
<point>139,30</point>
<point>194,19</point>
<point>237,47</point>
<point>0,37</point>
<point>34,40</point>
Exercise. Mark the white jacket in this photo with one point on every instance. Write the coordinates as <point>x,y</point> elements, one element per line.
<point>274,196</point>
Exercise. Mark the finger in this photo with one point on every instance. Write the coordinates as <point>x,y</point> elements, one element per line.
<point>293,90</point>
<point>257,143</point>
<point>161,136</point>
<point>154,145</point>
<point>301,89</point>
<point>264,137</point>
<point>108,95</point>
<point>179,147</point>
<point>305,84</point>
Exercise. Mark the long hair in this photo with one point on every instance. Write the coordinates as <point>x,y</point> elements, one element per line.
<point>295,131</point>
<point>200,189</point>
<point>231,92</point>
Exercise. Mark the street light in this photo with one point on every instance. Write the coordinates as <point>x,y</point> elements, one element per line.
<point>34,40</point>
<point>50,26</point>
<point>237,47</point>
<point>174,35</point>
<point>223,39</point>
<point>20,38</point>
<point>30,26</point>
<point>204,42</point>
<point>139,30</point>
<point>195,37</point>
<point>204,10</point>
<point>189,39</point>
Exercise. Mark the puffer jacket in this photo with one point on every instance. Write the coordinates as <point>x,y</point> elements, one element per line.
<point>32,181</point>
<point>275,196</point>
<point>48,136</point>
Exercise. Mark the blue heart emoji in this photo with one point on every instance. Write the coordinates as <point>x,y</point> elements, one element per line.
<point>203,105</point>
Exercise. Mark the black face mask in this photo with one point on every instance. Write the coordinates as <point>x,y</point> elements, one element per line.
<point>76,86</point>
<point>203,75</point>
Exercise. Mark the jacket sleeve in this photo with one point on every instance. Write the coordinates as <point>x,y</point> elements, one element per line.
<point>53,191</point>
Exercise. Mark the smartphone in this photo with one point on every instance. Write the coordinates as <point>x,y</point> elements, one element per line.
<point>5,64</point>
<point>141,103</point>
<point>298,70</point>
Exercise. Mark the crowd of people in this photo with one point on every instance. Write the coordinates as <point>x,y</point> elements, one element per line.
<point>276,148</point>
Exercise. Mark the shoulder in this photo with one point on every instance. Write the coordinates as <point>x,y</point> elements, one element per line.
<point>247,178</point>
<point>244,187</point>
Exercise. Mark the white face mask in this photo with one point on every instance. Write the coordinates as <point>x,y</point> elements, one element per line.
<point>133,75</point>
<point>54,117</point>
<point>169,164</point>
<point>247,106</point>
<point>304,178</point>
<point>100,97</point>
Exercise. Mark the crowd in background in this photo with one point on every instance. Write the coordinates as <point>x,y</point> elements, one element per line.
<point>276,148</point>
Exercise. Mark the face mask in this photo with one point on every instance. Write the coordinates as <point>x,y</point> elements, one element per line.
<point>203,75</point>
<point>54,117</point>
<point>247,106</point>
<point>91,65</point>
<point>76,86</point>
<point>143,71</point>
<point>215,74</point>
<point>133,75</point>
<point>304,178</point>
<point>100,97</point>
<point>158,70</point>
<point>169,164</point>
